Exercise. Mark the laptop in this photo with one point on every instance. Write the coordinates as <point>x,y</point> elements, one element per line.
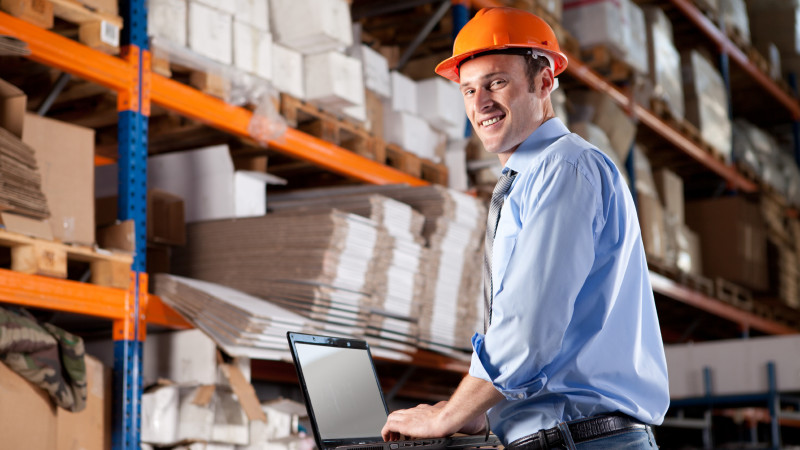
<point>344,398</point>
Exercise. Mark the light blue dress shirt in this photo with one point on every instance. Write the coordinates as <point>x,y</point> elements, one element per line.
<point>574,328</point>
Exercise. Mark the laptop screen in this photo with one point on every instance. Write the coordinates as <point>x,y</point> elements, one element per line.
<point>343,390</point>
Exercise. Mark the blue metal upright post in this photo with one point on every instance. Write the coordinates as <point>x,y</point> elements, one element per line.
<point>774,407</point>
<point>133,107</point>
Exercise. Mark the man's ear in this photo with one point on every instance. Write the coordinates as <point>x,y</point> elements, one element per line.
<point>546,82</point>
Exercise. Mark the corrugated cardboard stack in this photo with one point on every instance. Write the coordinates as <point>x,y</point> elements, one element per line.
<point>20,182</point>
<point>398,260</point>
<point>664,62</point>
<point>316,264</point>
<point>240,324</point>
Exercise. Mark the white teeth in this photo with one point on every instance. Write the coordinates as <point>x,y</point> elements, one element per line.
<point>486,123</point>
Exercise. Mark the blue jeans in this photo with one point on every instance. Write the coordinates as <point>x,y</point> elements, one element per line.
<point>631,440</point>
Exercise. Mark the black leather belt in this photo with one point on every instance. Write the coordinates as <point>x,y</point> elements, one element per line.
<point>581,430</point>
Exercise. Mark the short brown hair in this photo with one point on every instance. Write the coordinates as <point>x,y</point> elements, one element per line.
<point>532,68</point>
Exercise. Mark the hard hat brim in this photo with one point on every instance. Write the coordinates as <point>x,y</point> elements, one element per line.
<point>449,67</point>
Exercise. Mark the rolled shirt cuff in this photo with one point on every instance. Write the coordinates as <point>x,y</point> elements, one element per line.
<point>481,367</point>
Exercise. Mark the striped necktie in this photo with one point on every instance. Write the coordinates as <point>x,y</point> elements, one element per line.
<point>498,196</point>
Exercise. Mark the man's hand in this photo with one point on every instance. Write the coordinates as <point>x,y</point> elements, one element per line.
<point>422,421</point>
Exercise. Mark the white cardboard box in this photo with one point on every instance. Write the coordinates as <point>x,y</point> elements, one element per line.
<point>252,12</point>
<point>252,50</point>
<point>211,33</point>
<point>334,80</point>
<point>167,19</point>
<point>598,22</point>
<point>287,71</point>
<point>410,132</point>
<point>404,93</point>
<point>440,102</point>
<point>225,6</point>
<point>160,415</point>
<point>311,26</point>
<point>376,72</point>
<point>635,36</point>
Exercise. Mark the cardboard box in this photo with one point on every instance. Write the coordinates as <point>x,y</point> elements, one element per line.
<point>707,101</point>
<point>89,429</point>
<point>27,415</point>
<point>440,103</point>
<point>689,256</point>
<point>25,225</point>
<point>311,26</point>
<point>211,33</point>
<point>664,61</point>
<point>160,415</point>
<point>166,223</point>
<point>404,93</point>
<point>334,80</point>
<point>12,108</point>
<point>65,156</point>
<point>599,109</point>
<point>732,240</point>
<point>287,71</point>
<point>376,71</point>
<point>410,132</point>
<point>252,50</point>
<point>39,13</point>
<point>253,12</point>
<point>670,190</point>
<point>167,19</point>
<point>635,37</point>
<point>651,221</point>
<point>120,236</point>
<point>600,22</point>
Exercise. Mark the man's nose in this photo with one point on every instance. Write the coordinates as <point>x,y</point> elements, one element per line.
<point>483,99</point>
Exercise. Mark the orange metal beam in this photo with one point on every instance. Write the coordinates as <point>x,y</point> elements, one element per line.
<point>586,75</point>
<point>665,286</point>
<point>715,34</point>
<point>159,313</point>
<point>235,120</point>
<point>62,295</point>
<point>67,55</point>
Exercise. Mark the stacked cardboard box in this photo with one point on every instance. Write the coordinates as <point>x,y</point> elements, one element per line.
<point>664,62</point>
<point>600,110</point>
<point>776,22</point>
<point>706,102</point>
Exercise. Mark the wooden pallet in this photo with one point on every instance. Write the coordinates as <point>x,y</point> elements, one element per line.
<point>311,119</point>
<point>50,258</point>
<point>733,294</point>
<point>98,30</point>
<point>603,60</point>
<point>660,108</point>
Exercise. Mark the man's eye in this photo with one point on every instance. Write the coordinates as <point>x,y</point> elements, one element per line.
<point>497,83</point>
<point>469,92</point>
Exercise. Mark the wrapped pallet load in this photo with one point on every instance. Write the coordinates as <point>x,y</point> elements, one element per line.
<point>706,102</point>
<point>664,63</point>
<point>595,23</point>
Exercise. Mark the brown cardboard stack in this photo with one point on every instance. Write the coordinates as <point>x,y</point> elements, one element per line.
<point>650,209</point>
<point>240,324</point>
<point>318,263</point>
<point>731,229</point>
<point>398,260</point>
<point>707,101</point>
<point>20,183</point>
<point>681,246</point>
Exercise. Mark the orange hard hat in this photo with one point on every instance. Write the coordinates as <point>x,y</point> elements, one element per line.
<point>497,29</point>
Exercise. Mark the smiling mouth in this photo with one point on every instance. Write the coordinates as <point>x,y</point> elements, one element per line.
<point>492,121</point>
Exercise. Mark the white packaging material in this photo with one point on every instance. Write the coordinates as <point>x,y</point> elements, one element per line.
<point>252,50</point>
<point>203,177</point>
<point>211,33</point>
<point>440,102</point>
<point>664,61</point>
<point>635,37</point>
<point>410,132</point>
<point>252,12</point>
<point>746,373</point>
<point>225,6</point>
<point>251,192</point>
<point>707,102</point>
<point>734,15</point>
<point>160,415</point>
<point>456,161</point>
<point>287,71</point>
<point>404,93</point>
<point>195,416</point>
<point>230,421</point>
<point>356,112</point>
<point>334,80</point>
<point>167,19</point>
<point>600,22</point>
<point>311,26</point>
<point>376,72</point>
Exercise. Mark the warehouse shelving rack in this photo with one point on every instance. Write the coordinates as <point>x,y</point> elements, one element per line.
<point>130,76</point>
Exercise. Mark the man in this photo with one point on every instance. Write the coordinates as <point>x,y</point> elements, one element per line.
<point>572,356</point>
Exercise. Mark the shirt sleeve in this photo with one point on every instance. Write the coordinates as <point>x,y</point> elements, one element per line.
<point>551,258</point>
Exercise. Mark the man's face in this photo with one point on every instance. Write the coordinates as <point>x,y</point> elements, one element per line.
<point>498,103</point>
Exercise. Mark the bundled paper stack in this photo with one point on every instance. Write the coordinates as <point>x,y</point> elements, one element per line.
<point>397,263</point>
<point>20,182</point>
<point>240,324</point>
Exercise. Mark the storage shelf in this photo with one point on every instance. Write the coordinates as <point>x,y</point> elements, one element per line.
<point>57,51</point>
<point>737,55</point>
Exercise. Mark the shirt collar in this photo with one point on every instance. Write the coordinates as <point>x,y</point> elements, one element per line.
<point>541,138</point>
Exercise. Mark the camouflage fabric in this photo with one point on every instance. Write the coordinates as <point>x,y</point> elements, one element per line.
<point>45,355</point>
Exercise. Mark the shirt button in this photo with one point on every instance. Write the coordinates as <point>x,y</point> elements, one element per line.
<point>520,395</point>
